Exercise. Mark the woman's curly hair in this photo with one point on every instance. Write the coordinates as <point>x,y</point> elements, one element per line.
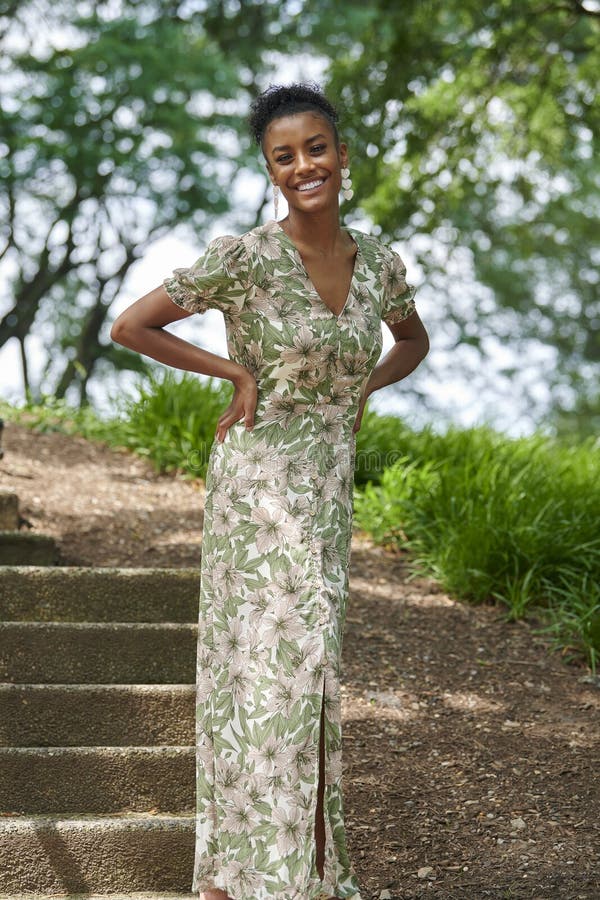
<point>284,100</point>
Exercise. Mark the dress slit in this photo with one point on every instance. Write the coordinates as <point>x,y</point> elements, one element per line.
<point>320,810</point>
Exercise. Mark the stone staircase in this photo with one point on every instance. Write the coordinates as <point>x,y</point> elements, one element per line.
<point>97,765</point>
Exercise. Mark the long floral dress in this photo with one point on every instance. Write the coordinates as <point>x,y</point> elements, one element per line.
<point>275,558</point>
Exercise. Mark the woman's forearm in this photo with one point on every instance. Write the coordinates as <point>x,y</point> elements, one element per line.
<point>174,351</point>
<point>402,359</point>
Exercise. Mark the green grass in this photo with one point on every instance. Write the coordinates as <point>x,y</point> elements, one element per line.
<point>513,522</point>
<point>494,519</point>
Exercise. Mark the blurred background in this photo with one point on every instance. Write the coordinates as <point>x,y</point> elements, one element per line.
<point>124,150</point>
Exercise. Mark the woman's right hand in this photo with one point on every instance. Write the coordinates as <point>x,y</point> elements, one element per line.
<point>242,406</point>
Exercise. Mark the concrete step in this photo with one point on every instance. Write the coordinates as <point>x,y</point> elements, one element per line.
<point>79,715</point>
<point>97,653</point>
<point>58,855</point>
<point>97,757</point>
<point>81,594</point>
<point>22,548</point>
<point>85,780</point>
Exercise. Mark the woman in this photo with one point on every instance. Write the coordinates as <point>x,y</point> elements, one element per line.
<point>303,301</point>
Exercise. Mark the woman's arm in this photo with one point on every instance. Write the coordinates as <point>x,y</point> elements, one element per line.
<point>140,328</point>
<point>410,348</point>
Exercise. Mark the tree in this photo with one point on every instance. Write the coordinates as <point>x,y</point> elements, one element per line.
<point>118,124</point>
<point>471,126</point>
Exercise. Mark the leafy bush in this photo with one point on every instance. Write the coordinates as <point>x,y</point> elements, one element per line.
<point>497,519</point>
<point>173,421</point>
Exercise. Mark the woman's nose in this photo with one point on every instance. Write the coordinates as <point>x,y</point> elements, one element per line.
<point>304,162</point>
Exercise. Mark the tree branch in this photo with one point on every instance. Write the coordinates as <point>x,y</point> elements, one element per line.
<point>89,349</point>
<point>19,319</point>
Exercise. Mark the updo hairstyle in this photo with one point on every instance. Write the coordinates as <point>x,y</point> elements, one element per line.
<point>286,100</point>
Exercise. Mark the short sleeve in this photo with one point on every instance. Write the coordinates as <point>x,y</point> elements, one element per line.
<point>398,296</point>
<point>218,280</point>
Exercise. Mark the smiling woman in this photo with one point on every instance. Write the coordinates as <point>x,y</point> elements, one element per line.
<point>303,301</point>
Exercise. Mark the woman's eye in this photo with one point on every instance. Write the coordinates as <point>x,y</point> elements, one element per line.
<point>318,148</point>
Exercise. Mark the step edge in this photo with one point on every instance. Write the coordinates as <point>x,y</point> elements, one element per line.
<point>141,688</point>
<point>57,821</point>
<point>99,749</point>
<point>128,572</point>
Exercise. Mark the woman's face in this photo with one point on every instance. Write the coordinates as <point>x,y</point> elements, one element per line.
<point>303,160</point>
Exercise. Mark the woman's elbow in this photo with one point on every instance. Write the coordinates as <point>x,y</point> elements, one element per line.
<point>421,344</point>
<point>120,330</point>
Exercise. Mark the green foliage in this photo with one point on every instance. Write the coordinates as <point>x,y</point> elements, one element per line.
<point>580,420</point>
<point>56,415</point>
<point>380,441</point>
<point>496,519</point>
<point>173,421</point>
<point>471,127</point>
<point>574,620</point>
<point>119,123</point>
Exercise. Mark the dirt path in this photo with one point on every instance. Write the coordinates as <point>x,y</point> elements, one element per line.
<point>471,754</point>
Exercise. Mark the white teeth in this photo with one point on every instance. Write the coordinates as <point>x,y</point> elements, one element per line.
<point>310,185</point>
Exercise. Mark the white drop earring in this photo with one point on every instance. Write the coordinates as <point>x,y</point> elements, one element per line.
<point>276,200</point>
<point>347,192</point>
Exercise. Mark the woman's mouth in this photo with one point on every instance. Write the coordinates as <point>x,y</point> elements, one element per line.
<point>312,185</point>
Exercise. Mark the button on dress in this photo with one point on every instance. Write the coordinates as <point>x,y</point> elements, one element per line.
<point>275,561</point>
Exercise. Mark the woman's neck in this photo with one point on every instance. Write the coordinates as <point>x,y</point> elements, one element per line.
<point>320,232</point>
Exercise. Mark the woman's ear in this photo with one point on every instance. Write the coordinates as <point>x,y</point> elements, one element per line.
<point>344,155</point>
<point>270,173</point>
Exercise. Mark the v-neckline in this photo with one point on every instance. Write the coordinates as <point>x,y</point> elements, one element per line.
<point>298,256</point>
